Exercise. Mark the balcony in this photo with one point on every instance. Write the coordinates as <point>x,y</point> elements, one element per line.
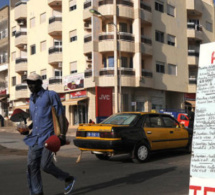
<point>147,73</point>
<point>55,83</point>
<point>146,46</point>
<point>106,42</point>
<point>21,91</point>
<point>88,44</point>
<point>194,31</point>
<point>194,7</point>
<point>55,26</point>
<point>55,55</point>
<point>145,13</point>
<point>20,10</point>
<point>88,73</point>
<point>193,57</point>
<point>55,3</point>
<point>21,65</point>
<point>86,12</point>
<point>21,39</point>
<point>3,88</point>
<point>110,72</point>
<point>126,10</point>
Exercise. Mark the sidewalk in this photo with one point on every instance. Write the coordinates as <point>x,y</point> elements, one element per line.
<point>15,141</point>
<point>71,131</point>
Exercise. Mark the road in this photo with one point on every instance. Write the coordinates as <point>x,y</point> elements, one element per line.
<point>166,173</point>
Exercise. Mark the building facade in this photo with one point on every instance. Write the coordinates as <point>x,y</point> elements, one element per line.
<point>4,55</point>
<point>138,55</point>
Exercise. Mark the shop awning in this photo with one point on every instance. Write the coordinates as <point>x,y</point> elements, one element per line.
<point>192,102</point>
<point>22,106</point>
<point>72,102</point>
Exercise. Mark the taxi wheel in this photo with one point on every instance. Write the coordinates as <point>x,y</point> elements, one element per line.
<point>103,156</point>
<point>141,153</point>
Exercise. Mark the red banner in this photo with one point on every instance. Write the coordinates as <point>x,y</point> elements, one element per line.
<point>103,103</point>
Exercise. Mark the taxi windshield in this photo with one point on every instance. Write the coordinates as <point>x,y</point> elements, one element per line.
<point>121,119</point>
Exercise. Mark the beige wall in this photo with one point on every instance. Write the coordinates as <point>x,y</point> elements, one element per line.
<point>163,86</point>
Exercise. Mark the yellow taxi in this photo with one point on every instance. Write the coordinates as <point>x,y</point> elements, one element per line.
<point>137,133</point>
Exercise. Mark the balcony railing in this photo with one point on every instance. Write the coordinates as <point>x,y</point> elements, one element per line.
<point>147,73</point>
<point>121,36</point>
<point>87,4</point>
<point>3,60</point>
<point>88,73</point>
<point>145,7</point>
<point>192,80</point>
<point>146,40</point>
<point>191,25</point>
<point>19,33</point>
<point>87,38</point>
<point>3,84</point>
<point>55,50</point>
<point>21,60</point>
<point>110,71</point>
<point>193,53</point>
<point>22,86</point>
<point>55,80</point>
<point>21,2</point>
<point>122,2</point>
<point>54,19</point>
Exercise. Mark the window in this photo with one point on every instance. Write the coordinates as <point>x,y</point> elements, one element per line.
<point>72,5</point>
<point>169,122</point>
<point>73,35</point>
<point>209,26</point>
<point>43,46</point>
<point>32,22</point>
<point>171,40</point>
<point>13,56</point>
<point>131,63</point>
<point>57,73</point>
<point>160,67</point>
<point>13,81</point>
<point>43,74</point>
<point>13,31</point>
<point>123,27</point>
<point>23,77</point>
<point>159,36</point>
<point>57,43</point>
<point>33,49</point>
<point>170,10</point>
<point>73,67</point>
<point>153,121</point>
<point>110,61</point>
<point>159,6</point>
<point>172,69</point>
<point>42,18</point>
<point>124,62</point>
<point>104,62</point>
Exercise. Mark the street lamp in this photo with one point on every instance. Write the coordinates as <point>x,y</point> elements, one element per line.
<point>117,91</point>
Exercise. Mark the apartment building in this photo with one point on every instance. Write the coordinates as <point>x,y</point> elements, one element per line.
<point>138,55</point>
<point>4,51</point>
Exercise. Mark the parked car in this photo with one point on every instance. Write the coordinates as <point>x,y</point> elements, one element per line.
<point>137,133</point>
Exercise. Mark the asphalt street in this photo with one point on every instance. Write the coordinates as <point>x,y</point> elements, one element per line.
<point>167,173</point>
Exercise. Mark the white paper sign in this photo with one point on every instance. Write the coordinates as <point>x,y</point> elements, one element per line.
<point>202,167</point>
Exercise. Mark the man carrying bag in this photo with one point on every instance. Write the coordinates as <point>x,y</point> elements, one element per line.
<point>42,103</point>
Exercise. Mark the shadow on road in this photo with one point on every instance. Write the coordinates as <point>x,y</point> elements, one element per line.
<point>130,179</point>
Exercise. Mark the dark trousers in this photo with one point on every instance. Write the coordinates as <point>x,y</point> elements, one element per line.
<point>41,158</point>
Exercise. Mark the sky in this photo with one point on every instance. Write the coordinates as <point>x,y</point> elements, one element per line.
<point>3,3</point>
